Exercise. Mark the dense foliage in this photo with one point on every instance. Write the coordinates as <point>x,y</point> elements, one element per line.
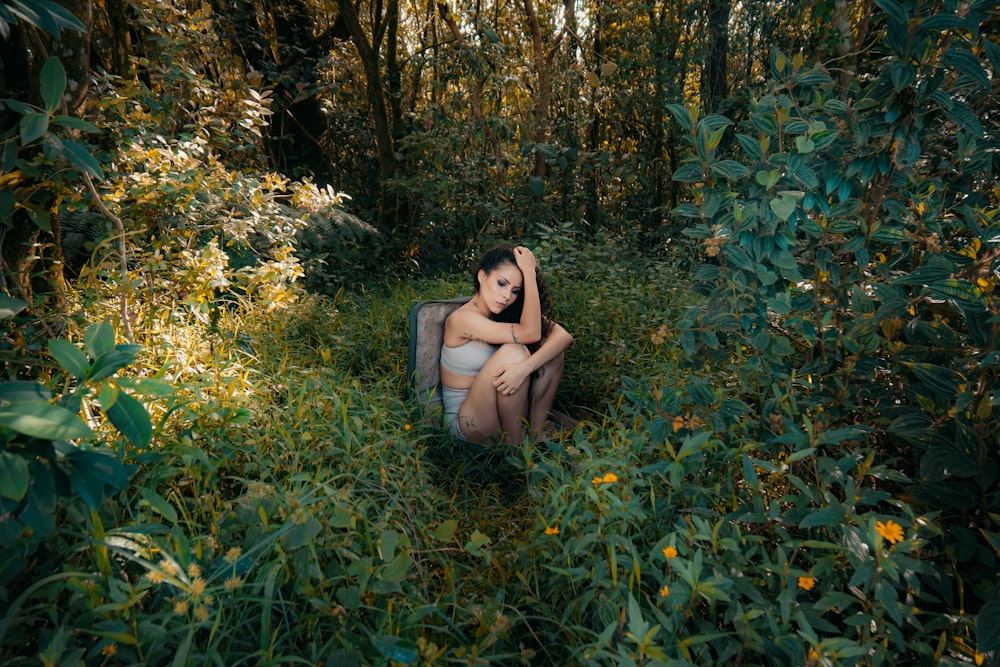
<point>771,227</point>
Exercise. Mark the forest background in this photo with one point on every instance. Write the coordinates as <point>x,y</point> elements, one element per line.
<point>770,225</point>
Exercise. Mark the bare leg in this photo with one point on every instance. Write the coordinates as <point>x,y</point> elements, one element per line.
<point>488,416</point>
<point>543,394</point>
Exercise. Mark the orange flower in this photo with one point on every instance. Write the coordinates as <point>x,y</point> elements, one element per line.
<point>890,531</point>
<point>807,583</point>
<point>669,552</point>
<point>665,591</point>
<point>610,478</point>
<point>678,423</point>
<point>552,530</point>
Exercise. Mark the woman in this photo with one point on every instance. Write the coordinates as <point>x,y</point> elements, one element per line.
<point>502,356</point>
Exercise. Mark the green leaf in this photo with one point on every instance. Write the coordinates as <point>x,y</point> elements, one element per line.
<point>445,530</point>
<point>682,115</point>
<point>33,126</point>
<point>837,435</point>
<point>75,123</point>
<point>968,64</point>
<point>689,173</point>
<point>827,516</point>
<point>99,339</point>
<point>69,357</point>
<point>988,627</point>
<point>397,568</point>
<point>397,649</point>
<point>24,391</point>
<point>965,118</point>
<point>965,295</point>
<point>993,53</point>
<point>129,416</point>
<point>9,306</point>
<point>476,542</point>
<point>159,504</point>
<point>45,421</point>
<point>109,363</point>
<point>937,378</point>
<point>13,476</point>
<point>52,80</point>
<point>804,144</point>
<point>890,235</point>
<point>82,159</point>
<point>783,206</point>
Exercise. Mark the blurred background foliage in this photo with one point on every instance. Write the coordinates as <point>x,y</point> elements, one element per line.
<point>771,227</point>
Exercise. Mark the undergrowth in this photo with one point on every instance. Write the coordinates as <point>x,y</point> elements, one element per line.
<point>294,507</point>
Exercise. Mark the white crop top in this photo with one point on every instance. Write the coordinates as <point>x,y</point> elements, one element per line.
<point>468,358</point>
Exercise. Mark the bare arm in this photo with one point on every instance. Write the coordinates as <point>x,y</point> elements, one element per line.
<point>508,379</point>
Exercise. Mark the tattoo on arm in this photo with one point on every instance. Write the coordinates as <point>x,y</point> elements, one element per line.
<point>512,334</point>
<point>468,336</point>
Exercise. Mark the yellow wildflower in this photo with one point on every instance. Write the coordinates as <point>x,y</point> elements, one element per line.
<point>807,583</point>
<point>596,481</point>
<point>201,613</point>
<point>233,583</point>
<point>110,650</point>
<point>180,607</point>
<point>890,530</point>
<point>168,567</point>
<point>669,552</point>
<point>198,586</point>
<point>552,530</point>
<point>610,478</point>
<point>194,570</point>
<point>154,577</point>
<point>233,554</point>
<point>678,423</point>
<point>407,427</point>
<point>665,591</point>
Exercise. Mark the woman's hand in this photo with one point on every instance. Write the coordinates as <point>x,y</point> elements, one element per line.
<point>508,379</point>
<point>525,259</point>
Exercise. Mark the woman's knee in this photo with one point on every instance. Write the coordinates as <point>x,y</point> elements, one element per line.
<point>511,353</point>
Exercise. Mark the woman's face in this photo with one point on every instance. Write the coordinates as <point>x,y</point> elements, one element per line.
<point>500,287</point>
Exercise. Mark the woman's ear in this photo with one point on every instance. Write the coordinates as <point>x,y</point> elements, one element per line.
<point>481,276</point>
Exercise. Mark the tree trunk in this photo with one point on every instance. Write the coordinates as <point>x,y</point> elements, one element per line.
<point>368,52</point>
<point>544,93</point>
<point>715,75</point>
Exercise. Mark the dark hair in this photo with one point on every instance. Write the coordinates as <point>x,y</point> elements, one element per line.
<point>503,253</point>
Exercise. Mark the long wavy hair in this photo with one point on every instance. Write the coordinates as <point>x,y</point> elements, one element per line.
<point>493,258</point>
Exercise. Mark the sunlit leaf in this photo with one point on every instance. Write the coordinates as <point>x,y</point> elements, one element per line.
<point>42,420</point>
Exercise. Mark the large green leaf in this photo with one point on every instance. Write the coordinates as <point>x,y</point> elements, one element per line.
<point>81,158</point>
<point>24,391</point>
<point>131,419</point>
<point>70,358</point>
<point>9,306</point>
<point>13,475</point>
<point>988,628</point>
<point>99,339</point>
<point>938,379</point>
<point>965,295</point>
<point>42,420</point>
<point>32,126</point>
<point>965,62</point>
<point>52,81</point>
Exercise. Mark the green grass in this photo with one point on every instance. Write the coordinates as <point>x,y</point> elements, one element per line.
<point>294,508</point>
